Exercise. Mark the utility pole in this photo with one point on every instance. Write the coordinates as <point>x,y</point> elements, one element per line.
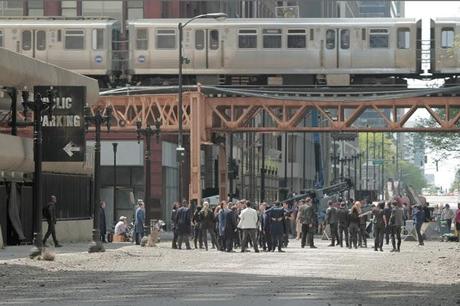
<point>374,173</point>
<point>367,161</point>
<point>114,147</point>
<point>262,168</point>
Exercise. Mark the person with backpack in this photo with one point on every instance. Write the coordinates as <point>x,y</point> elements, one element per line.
<point>49,212</point>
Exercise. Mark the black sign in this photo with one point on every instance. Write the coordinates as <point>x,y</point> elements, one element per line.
<point>64,129</point>
<point>344,136</point>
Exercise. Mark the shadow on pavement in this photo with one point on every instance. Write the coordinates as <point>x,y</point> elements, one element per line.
<point>29,285</point>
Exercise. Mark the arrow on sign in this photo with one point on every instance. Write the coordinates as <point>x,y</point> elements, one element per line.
<point>70,148</point>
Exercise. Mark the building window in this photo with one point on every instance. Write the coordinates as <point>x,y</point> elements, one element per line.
<point>297,39</point>
<point>35,7</point>
<point>74,39</point>
<point>135,10</point>
<point>344,39</point>
<point>69,8</point>
<point>330,39</point>
<point>112,9</point>
<point>41,40</point>
<point>142,40</point>
<point>247,39</point>
<point>447,37</point>
<point>26,40</point>
<point>378,38</point>
<point>98,39</point>
<point>11,8</point>
<point>403,38</point>
<point>1,39</point>
<point>199,39</point>
<point>214,39</point>
<point>272,38</point>
<point>166,39</point>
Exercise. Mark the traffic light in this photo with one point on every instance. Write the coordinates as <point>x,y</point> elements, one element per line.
<point>180,152</point>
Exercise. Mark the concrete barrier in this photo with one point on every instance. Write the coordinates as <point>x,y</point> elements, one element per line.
<point>72,230</point>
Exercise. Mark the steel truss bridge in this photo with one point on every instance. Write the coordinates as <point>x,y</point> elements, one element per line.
<point>208,110</point>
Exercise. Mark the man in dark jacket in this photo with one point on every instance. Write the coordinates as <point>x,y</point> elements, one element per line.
<point>418,216</point>
<point>331,219</point>
<point>307,219</point>
<point>387,213</point>
<point>276,215</point>
<point>139,222</point>
<point>50,215</point>
<point>342,218</point>
<point>184,226</point>
<point>227,227</point>
<point>173,224</point>
<point>380,222</point>
<point>102,222</point>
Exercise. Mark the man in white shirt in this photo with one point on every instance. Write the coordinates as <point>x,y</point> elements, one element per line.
<point>120,230</point>
<point>248,224</point>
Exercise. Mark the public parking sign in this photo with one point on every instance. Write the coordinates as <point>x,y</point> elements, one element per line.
<point>64,128</point>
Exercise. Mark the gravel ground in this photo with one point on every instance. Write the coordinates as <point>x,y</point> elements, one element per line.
<point>128,274</point>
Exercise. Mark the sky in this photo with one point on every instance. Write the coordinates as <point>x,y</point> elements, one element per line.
<point>425,10</point>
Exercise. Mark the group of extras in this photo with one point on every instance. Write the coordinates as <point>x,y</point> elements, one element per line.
<point>234,225</point>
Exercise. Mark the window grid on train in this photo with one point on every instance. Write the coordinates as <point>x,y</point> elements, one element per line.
<point>199,39</point>
<point>166,39</point>
<point>98,39</point>
<point>403,38</point>
<point>74,39</point>
<point>272,38</point>
<point>378,38</point>
<point>296,39</point>
<point>330,39</point>
<point>26,40</point>
<point>447,38</point>
<point>142,40</point>
<point>247,39</point>
<point>41,40</point>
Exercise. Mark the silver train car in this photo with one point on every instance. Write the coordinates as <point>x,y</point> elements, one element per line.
<point>445,47</point>
<point>83,45</point>
<point>277,51</point>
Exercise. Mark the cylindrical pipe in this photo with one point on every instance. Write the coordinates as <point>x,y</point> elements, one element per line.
<point>147,186</point>
<point>37,187</point>
<point>179,114</point>
<point>114,145</point>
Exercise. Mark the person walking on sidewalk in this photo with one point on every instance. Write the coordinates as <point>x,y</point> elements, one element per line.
<point>418,216</point>
<point>457,221</point>
<point>396,221</point>
<point>50,214</point>
<point>307,218</point>
<point>331,219</point>
<point>446,216</point>
<point>353,227</point>
<point>102,222</point>
<point>207,224</point>
<point>343,219</point>
<point>380,222</point>
<point>184,226</point>
<point>248,224</point>
<point>139,221</point>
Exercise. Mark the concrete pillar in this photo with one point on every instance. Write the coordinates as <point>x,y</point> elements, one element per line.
<point>152,8</point>
<point>52,8</point>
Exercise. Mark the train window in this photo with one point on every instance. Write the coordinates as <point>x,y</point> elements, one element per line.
<point>312,34</point>
<point>330,39</point>
<point>26,40</point>
<point>447,37</point>
<point>214,39</point>
<point>142,40</point>
<point>199,39</point>
<point>41,40</point>
<point>74,39</point>
<point>166,39</point>
<point>296,39</point>
<point>59,35</point>
<point>378,38</point>
<point>344,39</point>
<point>272,38</point>
<point>1,39</point>
<point>363,34</point>
<point>98,39</point>
<point>403,38</point>
<point>247,39</point>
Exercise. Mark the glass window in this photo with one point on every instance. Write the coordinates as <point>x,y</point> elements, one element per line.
<point>112,9</point>
<point>272,38</point>
<point>26,40</point>
<point>330,39</point>
<point>214,39</point>
<point>11,8</point>
<point>98,39</point>
<point>247,39</point>
<point>1,39</point>
<point>166,39</point>
<point>447,37</point>
<point>296,39</point>
<point>41,40</point>
<point>142,40</point>
<point>135,10</point>
<point>344,39</point>
<point>199,39</point>
<point>59,35</point>
<point>35,7</point>
<point>363,34</point>
<point>74,39</point>
<point>312,34</point>
<point>378,38</point>
<point>403,38</point>
<point>69,8</point>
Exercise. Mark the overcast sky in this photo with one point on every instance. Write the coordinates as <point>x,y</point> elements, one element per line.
<point>425,10</point>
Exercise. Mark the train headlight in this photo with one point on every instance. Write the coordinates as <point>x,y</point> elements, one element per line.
<point>141,59</point>
<point>98,59</point>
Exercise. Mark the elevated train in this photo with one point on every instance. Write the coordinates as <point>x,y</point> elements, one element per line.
<point>332,52</point>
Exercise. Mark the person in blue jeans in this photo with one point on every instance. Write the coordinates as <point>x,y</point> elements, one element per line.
<point>139,221</point>
<point>418,216</point>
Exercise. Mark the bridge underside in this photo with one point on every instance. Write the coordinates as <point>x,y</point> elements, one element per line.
<point>203,115</point>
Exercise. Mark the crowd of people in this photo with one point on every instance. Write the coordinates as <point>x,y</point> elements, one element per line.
<point>269,227</point>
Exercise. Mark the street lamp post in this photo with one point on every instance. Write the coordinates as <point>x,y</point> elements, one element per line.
<point>180,149</point>
<point>114,147</point>
<point>98,120</point>
<point>147,133</point>
<point>38,107</point>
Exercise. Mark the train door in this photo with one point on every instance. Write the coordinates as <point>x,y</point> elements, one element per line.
<point>329,49</point>
<point>207,54</point>
<point>213,50</point>
<point>98,55</point>
<point>33,44</point>
<point>343,52</point>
